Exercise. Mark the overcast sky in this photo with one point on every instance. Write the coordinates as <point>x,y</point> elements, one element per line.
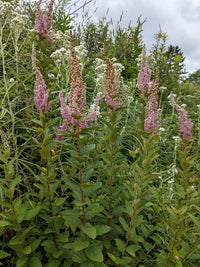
<point>179,18</point>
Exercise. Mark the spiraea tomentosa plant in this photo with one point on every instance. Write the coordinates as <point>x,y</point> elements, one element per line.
<point>181,216</point>
<point>44,22</point>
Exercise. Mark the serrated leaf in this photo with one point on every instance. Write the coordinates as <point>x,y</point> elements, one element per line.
<point>4,223</point>
<point>94,253</point>
<point>45,152</point>
<point>87,174</point>
<point>132,249</point>
<point>32,213</point>
<point>112,257</point>
<point>113,136</point>
<point>15,181</point>
<point>48,138</point>
<point>124,224</point>
<point>3,254</point>
<point>120,244</point>
<point>21,261</point>
<point>80,244</point>
<point>35,262</point>
<point>89,230</point>
<point>102,229</point>
<point>37,142</point>
<point>87,149</point>
<point>6,204</point>
<point>137,189</point>
<point>15,241</point>
<point>2,158</point>
<point>57,254</point>
<point>59,201</point>
<point>87,264</point>
<point>195,220</point>
<point>48,243</point>
<point>72,220</point>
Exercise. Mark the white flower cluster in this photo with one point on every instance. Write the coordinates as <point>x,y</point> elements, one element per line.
<point>62,38</point>
<point>81,53</point>
<point>100,69</point>
<point>177,139</point>
<point>12,16</point>
<point>61,54</point>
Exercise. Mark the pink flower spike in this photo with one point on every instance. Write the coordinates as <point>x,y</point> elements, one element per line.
<point>63,128</point>
<point>151,122</point>
<point>185,125</point>
<point>144,75</point>
<point>41,94</point>
<point>43,22</point>
<point>83,124</point>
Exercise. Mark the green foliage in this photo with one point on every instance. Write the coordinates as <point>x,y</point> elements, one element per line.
<point>107,195</point>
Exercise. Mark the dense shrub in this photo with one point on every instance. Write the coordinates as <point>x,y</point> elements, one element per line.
<point>99,163</point>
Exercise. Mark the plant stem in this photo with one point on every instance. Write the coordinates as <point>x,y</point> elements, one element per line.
<point>49,190</point>
<point>81,180</point>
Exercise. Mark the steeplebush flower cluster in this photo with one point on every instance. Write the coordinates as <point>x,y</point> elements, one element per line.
<point>111,85</point>
<point>151,123</point>
<point>75,112</point>
<point>43,22</point>
<point>41,92</point>
<point>144,75</point>
<point>185,125</point>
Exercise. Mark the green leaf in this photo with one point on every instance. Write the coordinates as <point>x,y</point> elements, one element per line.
<point>102,229</point>
<point>87,174</point>
<point>4,223</point>
<point>45,152</point>
<point>59,201</point>
<point>87,149</point>
<point>120,244</point>
<point>137,189</point>
<point>2,158</point>
<point>89,230</point>
<point>112,257</point>
<point>37,142</point>
<point>94,253</point>
<point>15,181</point>
<point>35,262</point>
<point>27,250</point>
<point>57,254</point>
<point>6,204</point>
<point>21,261</point>
<point>75,116</point>
<point>195,220</point>
<point>124,224</point>
<point>72,220</point>
<point>87,264</point>
<point>15,241</point>
<point>3,254</point>
<point>34,244</point>
<point>48,243</point>
<point>80,244</point>
<point>113,136</point>
<point>132,249</point>
<point>48,138</point>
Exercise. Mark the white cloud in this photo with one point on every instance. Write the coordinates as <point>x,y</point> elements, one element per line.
<point>179,18</point>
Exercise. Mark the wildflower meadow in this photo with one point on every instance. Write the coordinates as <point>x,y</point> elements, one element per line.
<point>99,143</point>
